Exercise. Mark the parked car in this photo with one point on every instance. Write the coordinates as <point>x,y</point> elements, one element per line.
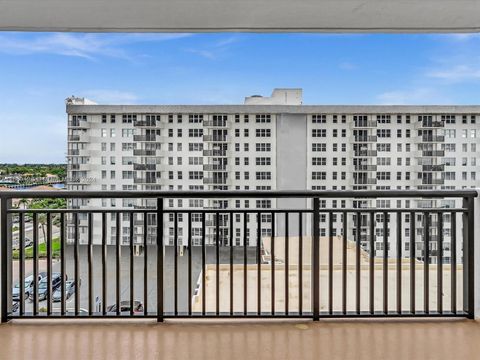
<point>16,243</point>
<point>43,286</point>
<point>15,306</point>
<point>28,286</point>
<point>70,289</point>
<point>125,307</point>
<point>28,242</point>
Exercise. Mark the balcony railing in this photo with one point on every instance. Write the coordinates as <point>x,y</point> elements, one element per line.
<point>144,152</point>
<point>215,138</point>
<point>285,260</point>
<point>144,137</point>
<point>362,153</point>
<point>144,166</point>
<point>366,138</point>
<point>358,168</point>
<point>364,124</point>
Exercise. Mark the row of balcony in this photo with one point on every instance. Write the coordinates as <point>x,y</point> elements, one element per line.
<point>431,138</point>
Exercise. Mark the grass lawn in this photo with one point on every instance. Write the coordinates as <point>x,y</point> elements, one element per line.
<point>42,250</point>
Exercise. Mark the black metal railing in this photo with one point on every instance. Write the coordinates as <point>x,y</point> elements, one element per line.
<point>308,261</point>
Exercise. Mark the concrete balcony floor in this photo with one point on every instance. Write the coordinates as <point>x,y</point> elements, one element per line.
<point>211,340</point>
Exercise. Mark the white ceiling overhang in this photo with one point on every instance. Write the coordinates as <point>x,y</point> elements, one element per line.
<point>241,15</point>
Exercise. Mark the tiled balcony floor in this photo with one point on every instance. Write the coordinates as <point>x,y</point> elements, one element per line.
<point>227,340</point>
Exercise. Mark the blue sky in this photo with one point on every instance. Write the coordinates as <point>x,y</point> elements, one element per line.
<point>38,71</point>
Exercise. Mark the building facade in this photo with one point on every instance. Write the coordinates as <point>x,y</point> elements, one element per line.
<point>270,143</point>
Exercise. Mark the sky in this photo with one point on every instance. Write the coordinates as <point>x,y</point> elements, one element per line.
<point>39,70</point>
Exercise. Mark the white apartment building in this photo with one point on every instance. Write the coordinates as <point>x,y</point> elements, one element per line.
<point>271,143</point>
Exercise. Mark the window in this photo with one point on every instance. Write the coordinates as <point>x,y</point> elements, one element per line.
<point>263,175</point>
<point>195,132</point>
<point>259,161</point>
<point>383,133</point>
<point>195,146</point>
<point>262,118</point>
<point>263,132</point>
<point>319,161</point>
<point>319,147</point>
<point>129,118</point>
<point>319,119</point>
<point>195,118</point>
<point>319,175</point>
<point>263,147</point>
<point>319,133</point>
<point>383,119</point>
<point>195,175</point>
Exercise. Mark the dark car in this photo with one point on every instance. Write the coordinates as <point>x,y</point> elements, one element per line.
<point>70,289</point>
<point>43,286</point>
<point>28,286</point>
<point>125,307</point>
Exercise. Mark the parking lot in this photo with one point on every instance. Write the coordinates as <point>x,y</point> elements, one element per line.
<point>138,271</point>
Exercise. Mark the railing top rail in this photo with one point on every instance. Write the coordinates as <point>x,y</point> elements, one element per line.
<point>235,194</point>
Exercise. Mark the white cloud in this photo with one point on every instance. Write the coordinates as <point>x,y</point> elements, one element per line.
<point>346,65</point>
<point>457,73</point>
<point>217,49</point>
<point>106,96</point>
<point>87,46</point>
<point>419,96</point>
<point>460,36</point>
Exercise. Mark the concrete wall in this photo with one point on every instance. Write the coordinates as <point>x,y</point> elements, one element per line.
<point>236,15</point>
<point>291,162</point>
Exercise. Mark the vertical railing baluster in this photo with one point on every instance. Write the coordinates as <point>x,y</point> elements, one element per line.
<point>287,259</point>
<point>344,263</point>
<point>6,253</point>
<point>469,258</point>
<point>399,262</point>
<point>117,259</point>
<point>145,264</point>
<point>316,259</point>
<point>330,263</point>
<point>358,236</point>
<point>272,265</point>
<point>104,264</point>
<point>204,276</point>
<point>62,264</point>
<point>245,263</point>
<point>75,264</point>
<point>300,264</point>
<point>217,264</point>
<point>21,244</point>
<point>371,266</point>
<point>440,262</point>
<point>90,264</point>
<point>49,264</point>
<point>453,266</point>
<point>131,265</point>
<point>35,264</point>
<point>160,258</point>
<point>189,275</point>
<point>426,261</point>
<point>259,265</point>
<point>385,262</point>
<point>412,262</point>
<point>175,263</point>
<point>230,233</point>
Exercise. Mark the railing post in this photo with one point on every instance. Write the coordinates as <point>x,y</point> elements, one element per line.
<point>468,257</point>
<point>316,259</point>
<point>160,260</point>
<point>6,257</point>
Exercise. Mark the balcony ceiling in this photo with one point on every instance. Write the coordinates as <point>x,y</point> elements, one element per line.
<point>241,15</point>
